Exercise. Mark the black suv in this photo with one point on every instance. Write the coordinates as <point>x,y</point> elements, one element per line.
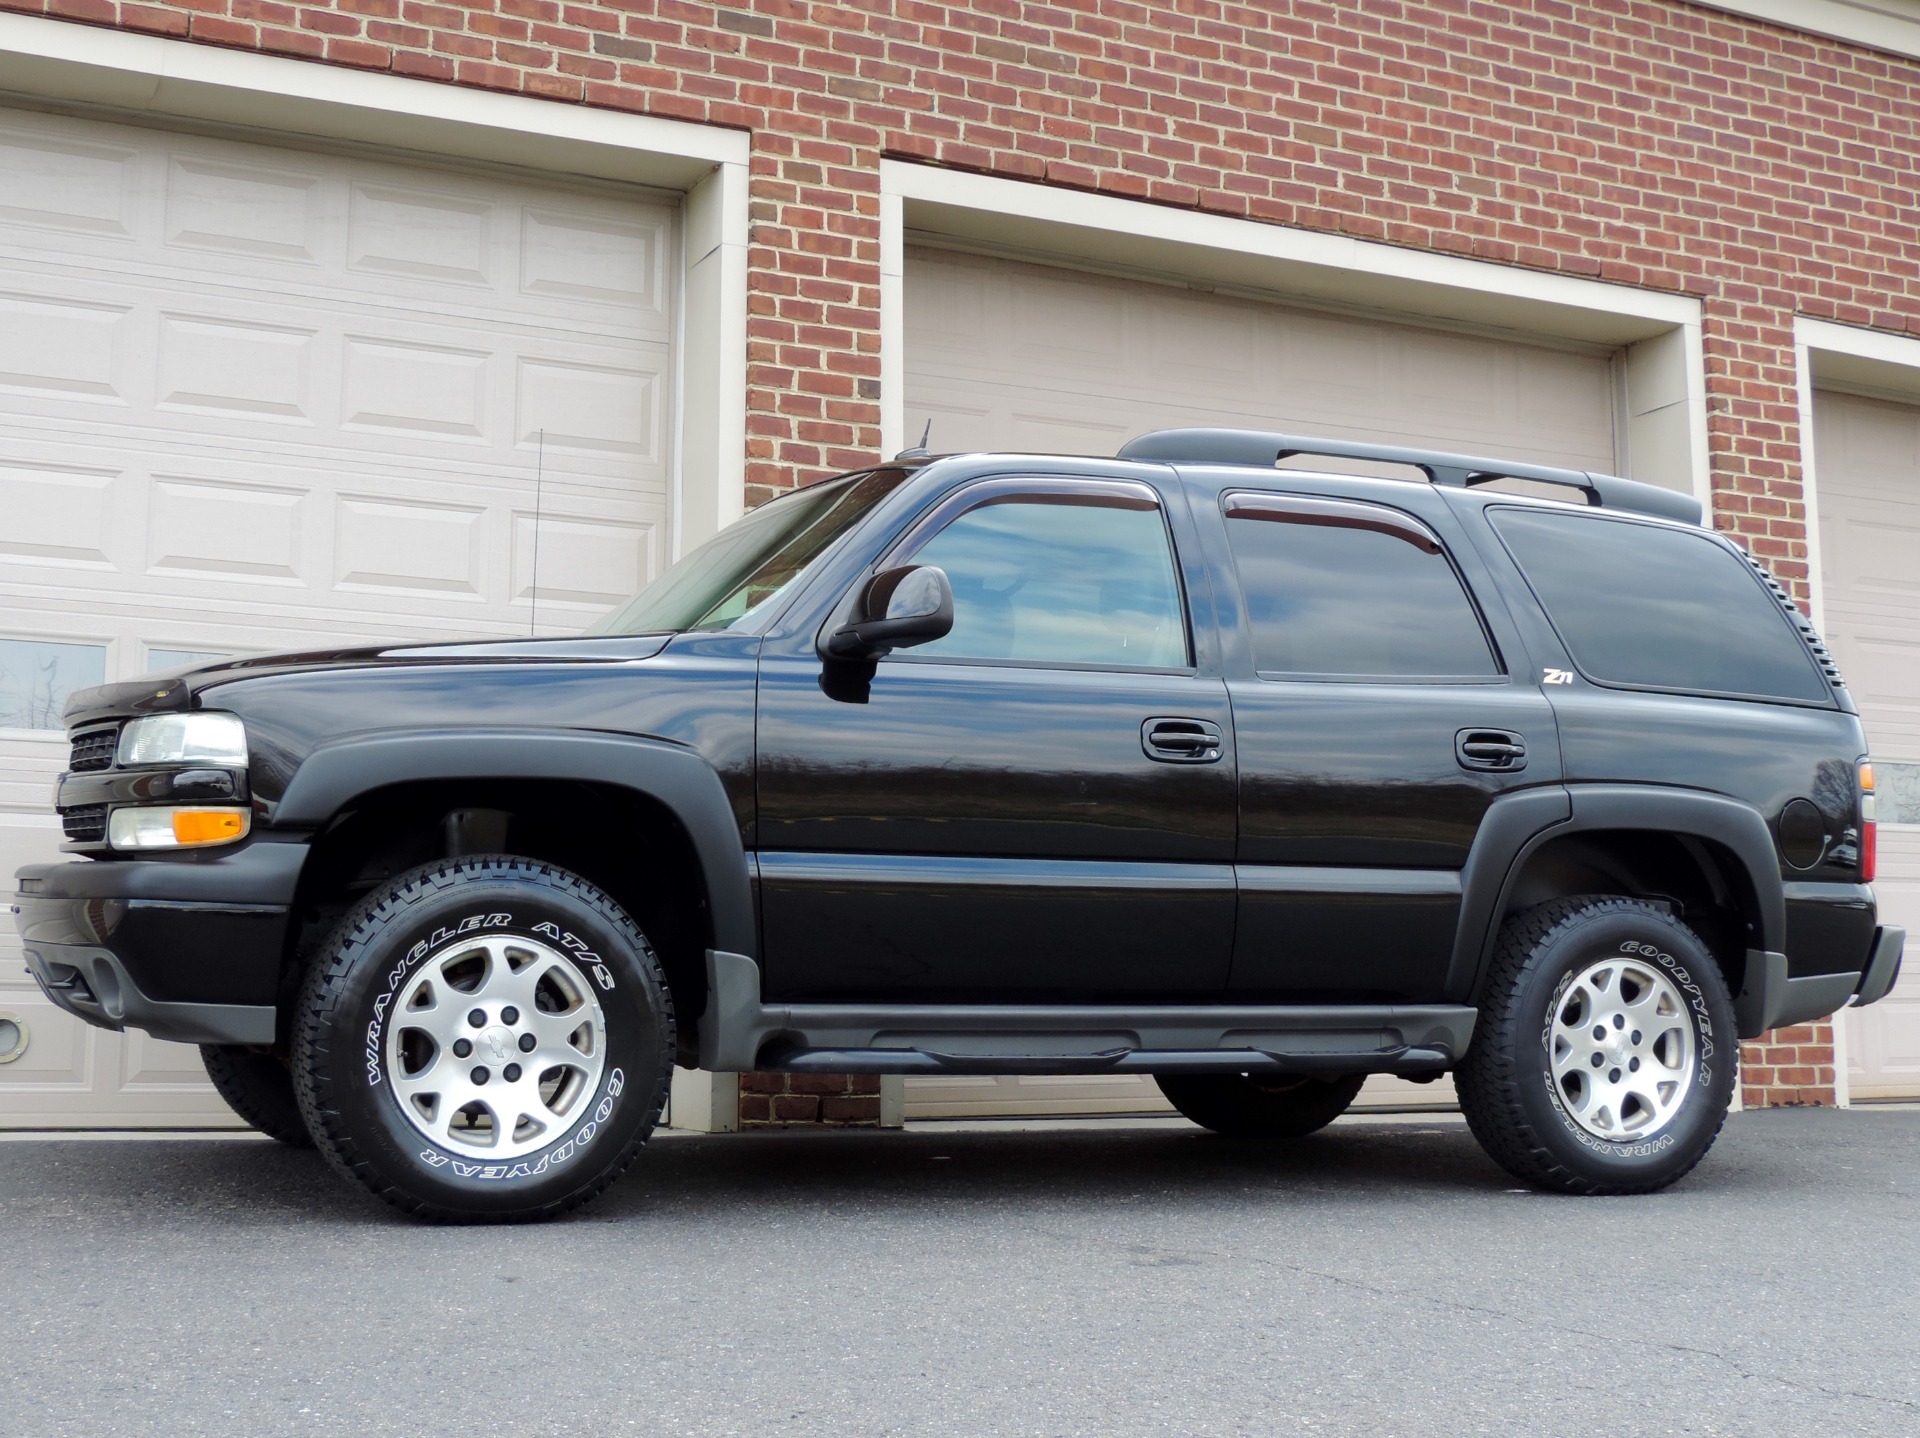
<point>1254,779</point>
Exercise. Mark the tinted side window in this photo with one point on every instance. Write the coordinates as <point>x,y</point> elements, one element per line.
<point>1060,578</point>
<point>1338,588</point>
<point>1645,605</point>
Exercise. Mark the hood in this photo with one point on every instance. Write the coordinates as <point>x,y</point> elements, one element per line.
<point>171,689</point>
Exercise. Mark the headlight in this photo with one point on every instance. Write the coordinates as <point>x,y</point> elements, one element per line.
<point>176,828</point>
<point>200,738</point>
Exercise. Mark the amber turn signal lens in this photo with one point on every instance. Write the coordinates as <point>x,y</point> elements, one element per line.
<point>207,826</point>
<point>1869,830</point>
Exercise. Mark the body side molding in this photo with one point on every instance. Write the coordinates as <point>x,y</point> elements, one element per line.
<point>739,1032</point>
<point>336,774</point>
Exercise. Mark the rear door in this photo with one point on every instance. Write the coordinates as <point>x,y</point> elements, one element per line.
<point>1037,808</point>
<point>1379,710</point>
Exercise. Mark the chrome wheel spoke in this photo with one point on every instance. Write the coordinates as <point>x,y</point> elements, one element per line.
<point>475,1034</point>
<point>1620,1048</point>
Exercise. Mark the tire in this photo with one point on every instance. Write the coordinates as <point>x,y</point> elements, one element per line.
<point>414,1020</point>
<point>1260,1106</point>
<point>258,1087</point>
<point>1622,983</point>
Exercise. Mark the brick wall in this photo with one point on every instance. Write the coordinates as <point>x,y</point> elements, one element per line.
<point>770,1100</point>
<point>1647,142</point>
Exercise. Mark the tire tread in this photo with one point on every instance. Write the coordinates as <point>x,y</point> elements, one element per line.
<point>1488,1081</point>
<point>324,988</point>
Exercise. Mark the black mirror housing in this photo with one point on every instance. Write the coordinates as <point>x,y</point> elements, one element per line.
<point>897,608</point>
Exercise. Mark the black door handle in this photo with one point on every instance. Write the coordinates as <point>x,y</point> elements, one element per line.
<point>1499,750</point>
<point>1181,741</point>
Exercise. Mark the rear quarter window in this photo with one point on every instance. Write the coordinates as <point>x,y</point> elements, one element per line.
<point>1653,607</point>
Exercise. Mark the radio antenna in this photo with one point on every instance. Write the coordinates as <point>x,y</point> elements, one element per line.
<point>539,484</point>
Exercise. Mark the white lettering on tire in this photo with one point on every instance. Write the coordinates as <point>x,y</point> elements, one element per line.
<point>552,1158</point>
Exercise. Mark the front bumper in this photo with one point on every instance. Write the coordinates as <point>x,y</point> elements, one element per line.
<point>189,949</point>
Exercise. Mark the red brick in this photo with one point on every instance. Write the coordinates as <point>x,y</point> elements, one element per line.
<point>860,1108</point>
<point>796,1108</point>
<point>755,1108</point>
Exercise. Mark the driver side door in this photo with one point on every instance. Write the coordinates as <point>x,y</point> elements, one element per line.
<point>1039,807</point>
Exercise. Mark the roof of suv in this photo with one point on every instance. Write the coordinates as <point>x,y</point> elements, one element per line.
<point>1262,450</point>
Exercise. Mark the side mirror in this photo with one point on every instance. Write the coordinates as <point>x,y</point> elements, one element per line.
<point>897,608</point>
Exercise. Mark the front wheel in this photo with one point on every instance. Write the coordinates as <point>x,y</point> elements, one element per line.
<point>484,1039</point>
<point>258,1087</point>
<point>1605,1056</point>
<point>1260,1105</point>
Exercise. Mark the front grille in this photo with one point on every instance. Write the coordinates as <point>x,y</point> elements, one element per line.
<point>93,749</point>
<point>85,823</point>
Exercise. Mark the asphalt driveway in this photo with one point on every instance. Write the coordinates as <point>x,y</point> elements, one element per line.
<point>1383,1278</point>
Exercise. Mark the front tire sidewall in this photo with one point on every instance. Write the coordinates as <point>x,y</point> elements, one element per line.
<point>1632,1163</point>
<point>363,1125</point>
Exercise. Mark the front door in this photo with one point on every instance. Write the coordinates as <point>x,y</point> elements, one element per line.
<point>1038,807</point>
<point>1377,720</point>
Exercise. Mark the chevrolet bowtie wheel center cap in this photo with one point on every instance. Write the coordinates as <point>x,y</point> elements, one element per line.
<point>1621,1044</point>
<point>496,1046</point>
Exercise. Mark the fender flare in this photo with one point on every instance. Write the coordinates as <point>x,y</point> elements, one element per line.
<point>334,775</point>
<point>1518,826</point>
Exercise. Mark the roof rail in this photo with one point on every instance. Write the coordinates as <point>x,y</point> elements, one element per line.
<point>1255,447</point>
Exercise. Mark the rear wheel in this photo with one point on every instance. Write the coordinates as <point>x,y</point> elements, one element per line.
<point>485,1039</point>
<point>258,1087</point>
<point>1260,1105</point>
<point>1604,1060</point>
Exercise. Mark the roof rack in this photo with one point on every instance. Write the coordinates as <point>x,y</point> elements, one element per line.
<point>1255,447</point>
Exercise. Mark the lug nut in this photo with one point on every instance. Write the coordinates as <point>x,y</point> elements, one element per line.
<point>1636,1036</point>
<point>1599,1032</point>
<point>511,1073</point>
<point>509,1015</point>
<point>480,1075</point>
<point>1633,1066</point>
<point>1597,1060</point>
<point>527,1042</point>
<point>461,1048</point>
<point>1614,1076</point>
<point>478,1018</point>
<point>1619,1021</point>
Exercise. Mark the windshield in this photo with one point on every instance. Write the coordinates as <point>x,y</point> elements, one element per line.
<point>753,561</point>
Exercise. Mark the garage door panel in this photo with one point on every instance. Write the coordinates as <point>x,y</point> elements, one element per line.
<point>1004,355</point>
<point>1163,355</point>
<point>1867,483</point>
<point>265,398</point>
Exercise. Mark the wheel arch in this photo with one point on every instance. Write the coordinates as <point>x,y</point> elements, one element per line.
<point>1712,857</point>
<point>646,820</point>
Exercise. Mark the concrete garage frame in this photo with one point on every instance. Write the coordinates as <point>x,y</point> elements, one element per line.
<point>48,61</point>
<point>1661,413</point>
<point>1872,363</point>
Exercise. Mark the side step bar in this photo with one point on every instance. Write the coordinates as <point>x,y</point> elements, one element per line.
<point>738,1032</point>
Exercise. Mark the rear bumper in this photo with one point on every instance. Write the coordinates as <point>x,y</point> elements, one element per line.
<point>186,949</point>
<point>1883,966</point>
<point>1774,997</point>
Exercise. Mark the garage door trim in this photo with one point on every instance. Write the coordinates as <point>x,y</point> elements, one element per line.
<point>1663,412</point>
<point>132,75</point>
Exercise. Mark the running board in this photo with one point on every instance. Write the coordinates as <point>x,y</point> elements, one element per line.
<point>738,1033</point>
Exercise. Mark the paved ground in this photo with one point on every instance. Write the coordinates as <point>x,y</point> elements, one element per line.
<point>1381,1279</point>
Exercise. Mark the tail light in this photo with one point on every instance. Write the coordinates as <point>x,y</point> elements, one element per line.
<point>1869,829</point>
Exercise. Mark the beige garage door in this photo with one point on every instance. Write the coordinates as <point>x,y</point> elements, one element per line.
<point>1007,355</point>
<point>1867,479</point>
<point>257,398</point>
